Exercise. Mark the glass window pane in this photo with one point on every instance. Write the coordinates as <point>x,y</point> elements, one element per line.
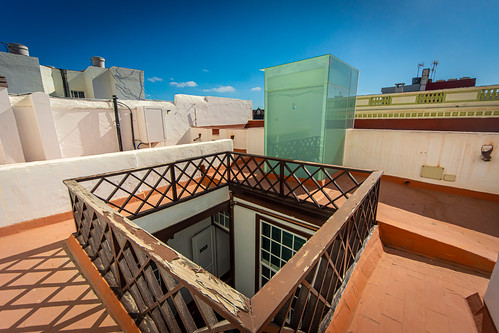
<point>298,243</point>
<point>265,243</point>
<point>265,256</point>
<point>276,249</point>
<point>287,239</point>
<point>286,254</point>
<point>276,234</point>
<point>276,263</point>
<point>265,229</point>
<point>266,272</point>
<point>264,280</point>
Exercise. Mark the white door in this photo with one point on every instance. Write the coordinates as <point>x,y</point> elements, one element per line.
<point>203,249</point>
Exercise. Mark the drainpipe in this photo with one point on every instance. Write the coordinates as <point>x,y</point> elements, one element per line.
<point>117,119</point>
<point>64,77</point>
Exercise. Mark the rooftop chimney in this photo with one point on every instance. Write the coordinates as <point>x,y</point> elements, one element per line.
<point>98,62</point>
<point>20,49</point>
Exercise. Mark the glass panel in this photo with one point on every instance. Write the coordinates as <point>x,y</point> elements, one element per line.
<point>265,256</point>
<point>265,272</point>
<point>275,262</point>
<point>276,249</point>
<point>298,243</point>
<point>276,234</point>
<point>309,105</point>
<point>287,239</point>
<point>265,229</point>
<point>286,253</point>
<point>265,243</point>
<point>264,280</point>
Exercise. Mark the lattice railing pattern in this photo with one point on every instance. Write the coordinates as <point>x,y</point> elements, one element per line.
<point>156,298</point>
<point>315,292</point>
<point>306,149</point>
<point>163,291</point>
<point>318,185</point>
<point>135,193</point>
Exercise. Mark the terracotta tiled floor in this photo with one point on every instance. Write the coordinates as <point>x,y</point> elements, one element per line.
<point>42,290</point>
<point>411,293</point>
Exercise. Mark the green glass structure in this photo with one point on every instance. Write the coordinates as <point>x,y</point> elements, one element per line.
<point>309,104</point>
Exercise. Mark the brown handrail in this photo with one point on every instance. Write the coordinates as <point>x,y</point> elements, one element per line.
<point>272,303</point>
<point>274,294</point>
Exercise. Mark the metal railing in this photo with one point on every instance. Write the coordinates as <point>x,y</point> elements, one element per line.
<point>164,291</point>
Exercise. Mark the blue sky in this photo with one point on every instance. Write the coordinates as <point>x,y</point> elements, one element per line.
<point>218,48</point>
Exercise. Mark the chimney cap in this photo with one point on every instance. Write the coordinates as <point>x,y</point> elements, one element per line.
<point>16,48</point>
<point>98,62</point>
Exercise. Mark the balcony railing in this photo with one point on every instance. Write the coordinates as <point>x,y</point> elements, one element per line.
<point>164,291</point>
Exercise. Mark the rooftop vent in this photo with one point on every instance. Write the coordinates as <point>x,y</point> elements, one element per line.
<point>98,62</point>
<point>20,49</point>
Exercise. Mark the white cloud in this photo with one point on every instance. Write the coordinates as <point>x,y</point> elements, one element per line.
<point>205,70</point>
<point>256,89</point>
<point>184,84</point>
<point>154,79</point>
<point>222,89</point>
<point>171,79</point>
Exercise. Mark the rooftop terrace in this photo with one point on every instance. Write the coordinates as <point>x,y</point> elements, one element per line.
<point>412,221</point>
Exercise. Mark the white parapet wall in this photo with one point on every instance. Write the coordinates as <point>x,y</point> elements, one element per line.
<point>11,150</point>
<point>251,140</point>
<point>403,153</point>
<point>34,190</point>
<point>83,127</point>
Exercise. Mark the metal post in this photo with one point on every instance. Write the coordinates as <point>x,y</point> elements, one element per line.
<point>281,179</point>
<point>173,182</point>
<point>117,119</point>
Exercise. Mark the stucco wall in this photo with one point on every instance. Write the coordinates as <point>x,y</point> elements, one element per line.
<point>403,153</point>
<point>182,242</point>
<point>11,148</point>
<point>168,217</point>
<point>34,190</point>
<point>249,139</point>
<point>208,110</point>
<point>87,127</point>
<point>22,73</point>
<point>128,83</point>
<point>255,141</point>
<point>37,131</point>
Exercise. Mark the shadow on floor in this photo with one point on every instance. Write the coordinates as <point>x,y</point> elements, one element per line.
<point>42,290</point>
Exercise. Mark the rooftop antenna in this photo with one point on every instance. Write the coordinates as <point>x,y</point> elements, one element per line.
<point>434,65</point>
<point>420,65</point>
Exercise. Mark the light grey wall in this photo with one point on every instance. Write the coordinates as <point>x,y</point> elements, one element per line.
<point>22,73</point>
<point>129,82</point>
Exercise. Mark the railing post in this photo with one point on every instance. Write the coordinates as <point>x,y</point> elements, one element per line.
<point>281,179</point>
<point>227,168</point>
<point>173,182</point>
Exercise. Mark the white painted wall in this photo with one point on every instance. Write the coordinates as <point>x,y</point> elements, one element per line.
<point>402,153</point>
<point>87,127</point>
<point>208,110</point>
<point>244,240</point>
<point>34,190</point>
<point>250,139</point>
<point>22,73</point>
<point>11,151</point>
<point>181,242</point>
<point>36,127</point>
<point>255,141</point>
<point>491,297</point>
<point>167,217</point>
